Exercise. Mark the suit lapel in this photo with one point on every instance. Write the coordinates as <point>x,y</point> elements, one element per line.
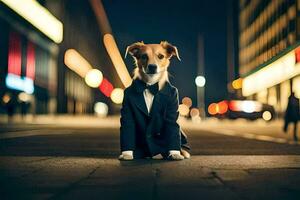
<point>159,99</point>
<point>156,104</point>
<point>140,103</point>
<point>139,99</point>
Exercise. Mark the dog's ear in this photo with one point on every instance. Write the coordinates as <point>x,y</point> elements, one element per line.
<point>134,49</point>
<point>171,50</point>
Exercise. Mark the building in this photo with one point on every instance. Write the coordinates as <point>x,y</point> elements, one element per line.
<point>35,36</point>
<point>81,33</point>
<point>28,59</point>
<point>269,53</point>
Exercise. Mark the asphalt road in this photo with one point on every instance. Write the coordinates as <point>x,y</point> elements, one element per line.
<point>59,162</point>
<point>104,142</point>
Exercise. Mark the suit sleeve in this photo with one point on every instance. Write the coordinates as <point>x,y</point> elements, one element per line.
<point>171,125</point>
<point>127,130</point>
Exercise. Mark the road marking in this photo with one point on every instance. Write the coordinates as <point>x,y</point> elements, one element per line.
<point>254,136</point>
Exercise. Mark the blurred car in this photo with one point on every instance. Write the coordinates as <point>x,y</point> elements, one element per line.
<point>246,109</point>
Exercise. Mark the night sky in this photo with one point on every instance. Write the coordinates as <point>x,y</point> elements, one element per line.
<point>180,23</point>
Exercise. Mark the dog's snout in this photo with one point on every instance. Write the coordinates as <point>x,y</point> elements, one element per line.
<point>152,68</point>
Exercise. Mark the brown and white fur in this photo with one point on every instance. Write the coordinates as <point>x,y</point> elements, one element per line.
<point>152,62</point>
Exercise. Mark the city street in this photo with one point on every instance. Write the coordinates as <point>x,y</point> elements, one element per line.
<point>228,72</point>
<point>78,160</point>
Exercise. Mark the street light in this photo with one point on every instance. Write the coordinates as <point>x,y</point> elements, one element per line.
<point>117,95</point>
<point>200,81</point>
<point>101,109</point>
<point>93,78</point>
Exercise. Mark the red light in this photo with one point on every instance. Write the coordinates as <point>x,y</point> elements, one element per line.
<point>234,105</point>
<point>297,54</point>
<point>106,87</point>
<point>30,67</point>
<point>14,54</point>
<point>223,107</point>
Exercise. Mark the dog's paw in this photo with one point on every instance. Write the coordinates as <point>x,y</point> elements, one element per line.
<point>185,154</point>
<point>157,157</point>
<point>125,157</point>
<point>175,157</point>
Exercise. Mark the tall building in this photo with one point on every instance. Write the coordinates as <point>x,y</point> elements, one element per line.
<point>269,53</point>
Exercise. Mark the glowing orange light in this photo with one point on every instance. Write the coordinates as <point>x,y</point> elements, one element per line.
<point>77,63</point>
<point>213,109</point>
<point>187,101</point>
<point>222,107</point>
<point>6,98</point>
<point>116,58</point>
<point>194,112</point>
<point>237,84</point>
<point>233,106</point>
<point>297,53</point>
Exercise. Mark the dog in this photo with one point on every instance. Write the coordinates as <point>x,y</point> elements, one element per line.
<point>149,110</point>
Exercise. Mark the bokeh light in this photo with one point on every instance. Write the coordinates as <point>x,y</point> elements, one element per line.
<point>194,112</point>
<point>39,17</point>
<point>116,58</point>
<point>187,101</point>
<point>200,81</point>
<point>106,87</point>
<point>213,109</point>
<point>76,62</point>
<point>24,97</point>
<point>101,109</point>
<point>248,106</point>
<point>183,110</point>
<point>6,98</point>
<point>267,116</point>
<point>93,78</point>
<point>117,95</point>
<point>222,107</point>
<point>237,84</point>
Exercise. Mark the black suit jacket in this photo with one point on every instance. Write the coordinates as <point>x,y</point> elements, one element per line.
<point>154,132</point>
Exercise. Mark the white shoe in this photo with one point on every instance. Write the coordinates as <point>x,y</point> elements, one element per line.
<point>125,157</point>
<point>175,157</point>
<point>157,157</point>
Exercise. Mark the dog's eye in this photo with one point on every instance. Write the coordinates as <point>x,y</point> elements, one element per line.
<point>160,56</point>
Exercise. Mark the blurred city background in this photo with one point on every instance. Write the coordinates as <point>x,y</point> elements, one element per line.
<point>63,72</point>
<point>67,57</point>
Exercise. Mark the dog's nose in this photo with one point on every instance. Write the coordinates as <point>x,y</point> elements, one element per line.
<point>152,68</point>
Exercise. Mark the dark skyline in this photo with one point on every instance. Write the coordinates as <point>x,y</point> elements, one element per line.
<point>180,23</point>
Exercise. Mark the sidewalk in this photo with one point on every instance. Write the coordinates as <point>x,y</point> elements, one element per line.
<point>201,177</point>
<point>63,120</point>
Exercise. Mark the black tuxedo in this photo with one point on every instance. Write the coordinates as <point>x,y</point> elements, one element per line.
<point>148,134</point>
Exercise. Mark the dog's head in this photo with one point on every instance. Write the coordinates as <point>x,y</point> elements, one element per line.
<point>152,59</point>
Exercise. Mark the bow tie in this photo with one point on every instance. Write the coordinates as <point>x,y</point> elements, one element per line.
<point>152,88</point>
<point>141,86</point>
